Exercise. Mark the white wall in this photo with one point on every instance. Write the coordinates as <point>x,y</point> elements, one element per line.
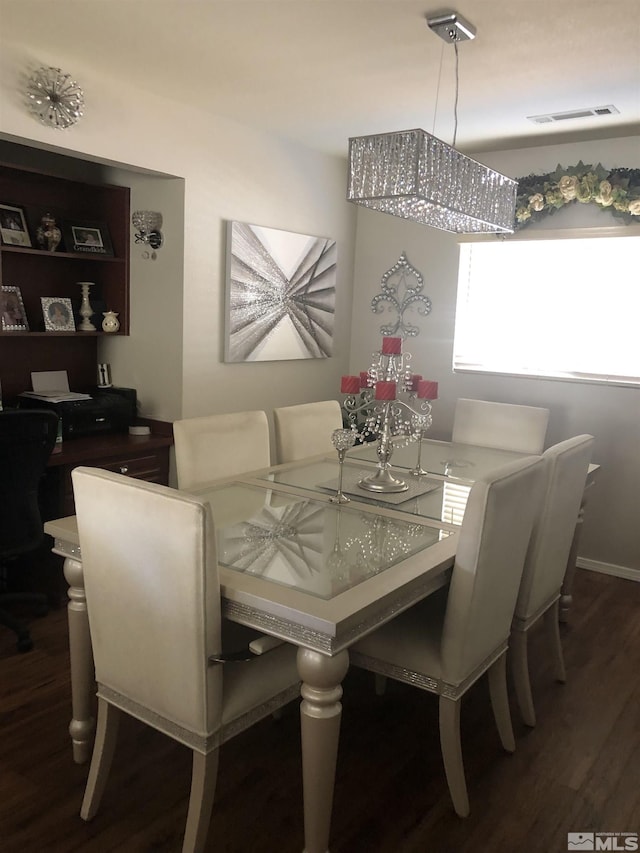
<point>150,359</point>
<point>611,414</point>
<point>174,354</point>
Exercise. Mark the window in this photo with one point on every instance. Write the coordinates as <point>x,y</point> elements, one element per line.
<point>562,308</point>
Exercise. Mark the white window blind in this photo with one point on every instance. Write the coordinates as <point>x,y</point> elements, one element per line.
<point>563,308</point>
<point>454,501</point>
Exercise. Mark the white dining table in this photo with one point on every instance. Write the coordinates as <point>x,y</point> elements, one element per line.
<point>315,573</point>
<point>297,566</point>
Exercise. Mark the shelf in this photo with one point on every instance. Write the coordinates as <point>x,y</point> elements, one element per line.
<point>77,334</point>
<point>76,256</point>
<point>39,273</point>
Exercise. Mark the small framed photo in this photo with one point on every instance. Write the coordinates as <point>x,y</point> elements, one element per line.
<point>58,314</point>
<point>12,314</point>
<point>87,238</point>
<point>13,226</point>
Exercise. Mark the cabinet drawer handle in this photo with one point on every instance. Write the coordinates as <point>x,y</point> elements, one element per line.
<point>124,469</point>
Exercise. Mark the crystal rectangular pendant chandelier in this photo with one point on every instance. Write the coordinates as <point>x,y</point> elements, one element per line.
<point>414,175</point>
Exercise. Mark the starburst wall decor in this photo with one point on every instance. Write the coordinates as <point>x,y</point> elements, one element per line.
<point>280,294</point>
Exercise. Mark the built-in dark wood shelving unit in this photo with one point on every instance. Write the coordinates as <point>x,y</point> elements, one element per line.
<point>40,273</point>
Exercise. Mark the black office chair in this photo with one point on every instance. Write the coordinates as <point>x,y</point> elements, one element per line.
<point>27,438</point>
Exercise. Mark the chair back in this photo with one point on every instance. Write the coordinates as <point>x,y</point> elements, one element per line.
<point>492,546</point>
<point>501,425</point>
<point>27,437</point>
<point>565,473</point>
<point>151,578</point>
<point>217,446</point>
<point>305,430</point>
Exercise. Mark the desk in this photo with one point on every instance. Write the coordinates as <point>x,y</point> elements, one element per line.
<point>299,567</point>
<point>145,457</point>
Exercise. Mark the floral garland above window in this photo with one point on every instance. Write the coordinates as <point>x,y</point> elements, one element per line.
<point>617,190</point>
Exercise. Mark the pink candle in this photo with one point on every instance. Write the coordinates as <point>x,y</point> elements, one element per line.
<point>416,377</point>
<point>364,379</point>
<point>427,389</point>
<point>385,390</point>
<point>392,346</point>
<point>350,385</point>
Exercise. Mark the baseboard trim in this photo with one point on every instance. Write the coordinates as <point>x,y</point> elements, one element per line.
<point>609,569</point>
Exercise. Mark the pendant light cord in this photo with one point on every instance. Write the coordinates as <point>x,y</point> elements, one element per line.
<point>455,105</point>
<point>435,111</point>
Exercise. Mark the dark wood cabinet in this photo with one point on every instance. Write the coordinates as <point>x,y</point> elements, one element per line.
<point>143,457</point>
<point>40,273</point>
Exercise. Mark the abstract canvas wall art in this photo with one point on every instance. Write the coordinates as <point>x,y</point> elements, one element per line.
<point>280,294</point>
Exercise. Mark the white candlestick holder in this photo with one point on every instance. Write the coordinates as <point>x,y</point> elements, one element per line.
<point>86,311</point>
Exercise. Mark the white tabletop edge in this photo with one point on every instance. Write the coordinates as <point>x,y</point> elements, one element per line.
<point>327,615</point>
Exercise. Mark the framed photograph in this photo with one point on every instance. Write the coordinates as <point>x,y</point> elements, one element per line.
<point>12,314</point>
<point>13,226</point>
<point>58,314</point>
<point>87,238</point>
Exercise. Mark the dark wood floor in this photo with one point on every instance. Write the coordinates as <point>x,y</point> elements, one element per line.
<point>578,770</point>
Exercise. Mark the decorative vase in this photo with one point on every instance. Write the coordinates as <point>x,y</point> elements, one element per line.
<point>48,235</point>
<point>86,311</point>
<point>110,322</point>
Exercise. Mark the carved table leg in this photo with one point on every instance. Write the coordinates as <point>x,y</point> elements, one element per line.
<point>320,713</point>
<point>81,659</point>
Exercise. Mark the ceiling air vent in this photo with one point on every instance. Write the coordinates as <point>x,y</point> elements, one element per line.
<point>590,111</point>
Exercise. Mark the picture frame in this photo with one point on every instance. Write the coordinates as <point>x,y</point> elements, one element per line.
<point>13,317</point>
<point>13,226</point>
<point>58,314</point>
<point>87,238</point>
<point>280,294</point>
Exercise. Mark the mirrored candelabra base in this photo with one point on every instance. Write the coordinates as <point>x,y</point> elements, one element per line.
<point>383,481</point>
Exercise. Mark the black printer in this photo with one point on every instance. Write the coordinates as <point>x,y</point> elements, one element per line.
<point>109,410</point>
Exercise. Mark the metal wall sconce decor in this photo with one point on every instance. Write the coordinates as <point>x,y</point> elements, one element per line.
<point>148,224</point>
<point>401,286</point>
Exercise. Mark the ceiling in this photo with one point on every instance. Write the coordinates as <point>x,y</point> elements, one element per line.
<point>319,71</point>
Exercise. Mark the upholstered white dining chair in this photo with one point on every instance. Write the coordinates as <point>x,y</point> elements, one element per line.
<point>305,430</point>
<point>501,425</point>
<point>565,472</point>
<point>153,600</point>
<point>448,641</point>
<point>216,446</point>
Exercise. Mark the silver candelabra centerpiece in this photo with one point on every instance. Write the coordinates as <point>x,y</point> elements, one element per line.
<point>393,404</point>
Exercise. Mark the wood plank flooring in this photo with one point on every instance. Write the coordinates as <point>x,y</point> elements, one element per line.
<point>578,770</point>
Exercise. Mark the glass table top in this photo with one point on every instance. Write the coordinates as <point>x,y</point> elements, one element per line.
<point>313,546</point>
<point>457,461</point>
<point>425,497</point>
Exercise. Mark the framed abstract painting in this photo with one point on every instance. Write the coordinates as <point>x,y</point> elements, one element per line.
<point>280,294</point>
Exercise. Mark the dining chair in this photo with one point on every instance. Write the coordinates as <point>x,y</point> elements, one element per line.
<point>565,468</point>
<point>449,640</point>
<point>502,425</point>
<point>153,601</point>
<point>305,430</point>
<point>216,446</point>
